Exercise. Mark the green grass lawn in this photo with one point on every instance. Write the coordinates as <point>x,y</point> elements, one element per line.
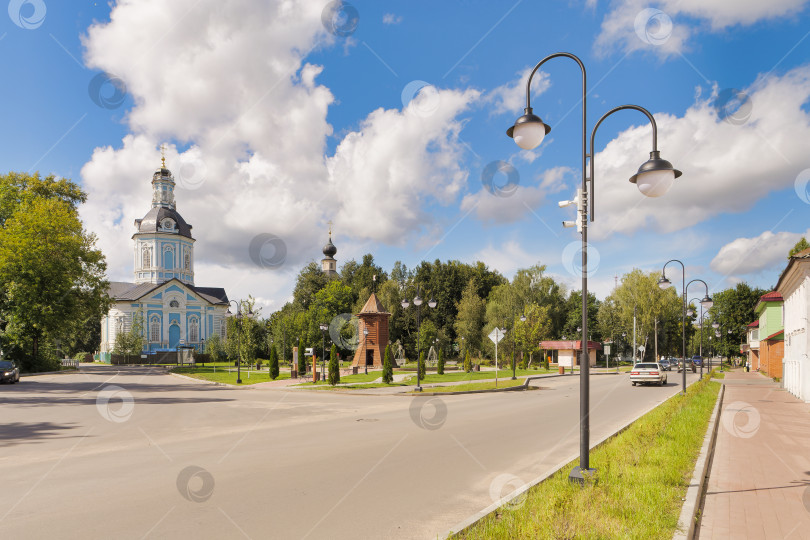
<point>347,387</point>
<point>219,373</point>
<point>718,374</point>
<point>642,477</point>
<point>474,386</point>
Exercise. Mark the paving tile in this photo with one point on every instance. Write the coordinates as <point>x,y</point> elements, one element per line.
<point>757,483</point>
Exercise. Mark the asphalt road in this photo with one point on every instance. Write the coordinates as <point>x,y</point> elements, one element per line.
<point>136,453</point>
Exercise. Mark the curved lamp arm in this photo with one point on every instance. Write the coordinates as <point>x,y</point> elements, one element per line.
<point>593,136</point>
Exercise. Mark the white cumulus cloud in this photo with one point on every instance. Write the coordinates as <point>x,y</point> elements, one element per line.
<point>766,252</point>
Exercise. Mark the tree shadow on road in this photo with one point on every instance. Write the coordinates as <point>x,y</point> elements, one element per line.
<point>20,432</point>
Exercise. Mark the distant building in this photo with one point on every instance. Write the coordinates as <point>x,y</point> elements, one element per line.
<point>373,334</point>
<point>174,311</point>
<point>329,263</point>
<point>568,352</point>
<point>794,286</point>
<point>771,332</point>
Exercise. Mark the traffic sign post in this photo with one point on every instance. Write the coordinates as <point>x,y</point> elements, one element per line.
<point>496,335</point>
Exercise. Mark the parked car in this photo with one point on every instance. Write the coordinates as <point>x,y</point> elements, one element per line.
<point>697,360</point>
<point>648,373</point>
<point>665,365</point>
<point>9,372</point>
<point>689,365</point>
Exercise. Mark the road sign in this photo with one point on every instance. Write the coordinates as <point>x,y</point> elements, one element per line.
<point>641,348</point>
<point>308,351</point>
<point>496,335</point>
<point>607,350</point>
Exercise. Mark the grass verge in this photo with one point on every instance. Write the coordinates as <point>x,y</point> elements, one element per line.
<point>642,476</point>
<point>718,374</point>
<point>221,375</point>
<point>347,387</point>
<point>478,375</point>
<point>507,383</point>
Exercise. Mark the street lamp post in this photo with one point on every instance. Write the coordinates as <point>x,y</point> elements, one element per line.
<point>689,313</point>
<point>706,303</point>
<point>417,301</point>
<point>239,322</point>
<point>653,179</point>
<point>365,348</point>
<point>324,328</point>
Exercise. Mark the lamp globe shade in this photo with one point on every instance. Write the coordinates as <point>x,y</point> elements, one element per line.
<point>690,312</point>
<point>715,325</point>
<point>655,176</point>
<point>431,302</point>
<point>528,131</point>
<point>706,302</point>
<point>664,283</point>
<point>405,304</point>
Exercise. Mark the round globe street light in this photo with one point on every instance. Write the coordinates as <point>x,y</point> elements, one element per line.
<point>653,179</point>
<point>706,303</point>
<point>689,313</point>
<point>417,301</point>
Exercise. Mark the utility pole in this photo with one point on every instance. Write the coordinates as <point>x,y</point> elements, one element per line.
<point>656,340</point>
<point>634,335</point>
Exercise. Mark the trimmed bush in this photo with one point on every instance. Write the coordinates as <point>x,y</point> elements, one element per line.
<point>467,363</point>
<point>302,360</point>
<point>334,367</point>
<point>273,362</point>
<point>440,363</point>
<point>421,365</point>
<point>388,371</point>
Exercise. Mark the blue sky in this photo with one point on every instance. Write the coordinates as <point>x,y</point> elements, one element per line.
<point>276,125</point>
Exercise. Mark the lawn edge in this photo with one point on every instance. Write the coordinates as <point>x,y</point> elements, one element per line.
<point>688,520</point>
<point>478,516</point>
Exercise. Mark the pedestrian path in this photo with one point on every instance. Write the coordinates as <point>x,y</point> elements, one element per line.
<point>759,483</point>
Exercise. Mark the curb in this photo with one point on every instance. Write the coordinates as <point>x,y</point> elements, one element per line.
<point>63,372</point>
<point>475,518</point>
<point>688,520</point>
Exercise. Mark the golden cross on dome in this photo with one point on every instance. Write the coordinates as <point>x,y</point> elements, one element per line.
<point>330,228</point>
<point>163,154</point>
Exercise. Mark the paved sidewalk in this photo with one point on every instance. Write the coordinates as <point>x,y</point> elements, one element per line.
<point>759,483</point>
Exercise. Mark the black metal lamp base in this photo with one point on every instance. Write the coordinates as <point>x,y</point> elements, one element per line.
<point>582,476</point>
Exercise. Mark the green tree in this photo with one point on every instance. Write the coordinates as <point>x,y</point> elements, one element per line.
<point>334,367</point>
<point>440,363</point>
<point>801,245</point>
<point>470,319</point>
<point>214,348</point>
<point>388,370</point>
<point>131,342</point>
<point>421,365</point>
<point>274,370</point>
<point>467,363</point>
<point>52,283</point>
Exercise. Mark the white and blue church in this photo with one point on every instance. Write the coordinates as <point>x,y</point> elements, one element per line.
<point>173,310</point>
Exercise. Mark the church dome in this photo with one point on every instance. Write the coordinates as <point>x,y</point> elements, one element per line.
<point>163,220</point>
<point>329,249</point>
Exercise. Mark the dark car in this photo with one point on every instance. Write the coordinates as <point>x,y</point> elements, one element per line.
<point>9,372</point>
<point>697,360</point>
<point>665,365</point>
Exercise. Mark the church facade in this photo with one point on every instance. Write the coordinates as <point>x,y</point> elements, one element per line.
<point>172,310</point>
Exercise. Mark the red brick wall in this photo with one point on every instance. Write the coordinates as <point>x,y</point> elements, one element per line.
<point>772,352</point>
<point>376,340</point>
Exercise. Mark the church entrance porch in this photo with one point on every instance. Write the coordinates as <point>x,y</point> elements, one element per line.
<point>174,336</point>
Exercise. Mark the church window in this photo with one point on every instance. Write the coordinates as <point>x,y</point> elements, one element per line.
<point>174,303</point>
<point>147,258</point>
<point>193,331</point>
<point>154,329</point>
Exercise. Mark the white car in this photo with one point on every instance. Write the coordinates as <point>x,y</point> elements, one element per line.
<point>648,373</point>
